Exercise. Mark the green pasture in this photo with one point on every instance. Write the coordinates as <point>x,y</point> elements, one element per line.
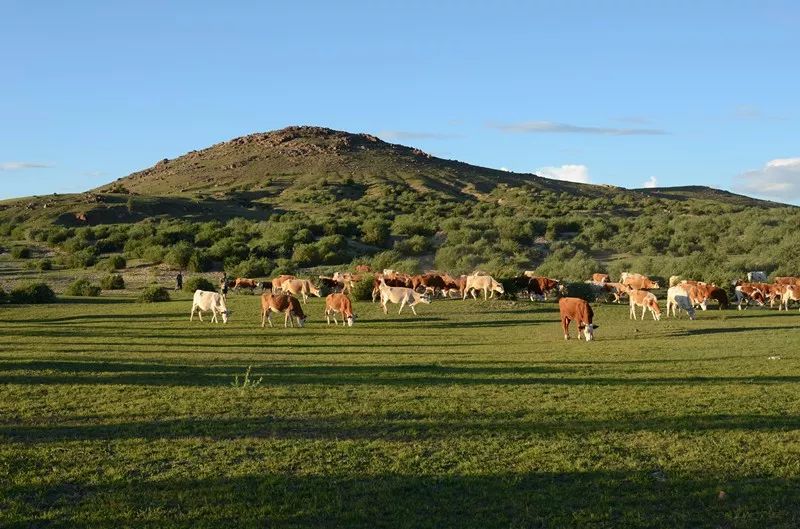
<point>469,415</point>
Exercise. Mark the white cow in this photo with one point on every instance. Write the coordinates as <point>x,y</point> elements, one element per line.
<point>204,301</point>
<point>757,277</point>
<point>678,297</point>
<point>485,283</point>
<point>402,295</point>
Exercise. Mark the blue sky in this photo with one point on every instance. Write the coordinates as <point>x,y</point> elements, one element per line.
<point>625,93</point>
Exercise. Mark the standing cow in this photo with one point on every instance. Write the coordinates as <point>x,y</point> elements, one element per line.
<point>578,310</point>
<point>482,282</point>
<point>339,304</point>
<point>204,301</point>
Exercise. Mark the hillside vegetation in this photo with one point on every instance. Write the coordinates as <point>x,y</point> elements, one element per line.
<point>311,197</point>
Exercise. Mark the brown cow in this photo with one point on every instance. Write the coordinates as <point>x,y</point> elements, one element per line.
<point>720,296</point>
<point>339,304</point>
<point>285,303</point>
<point>278,281</point>
<point>430,282</point>
<point>539,287</point>
<point>618,290</point>
<point>600,278</point>
<point>638,281</point>
<point>787,280</point>
<point>578,310</point>
<point>646,300</point>
<point>243,282</point>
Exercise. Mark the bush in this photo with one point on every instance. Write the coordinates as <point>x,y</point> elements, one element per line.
<point>112,282</point>
<point>179,255</point>
<point>33,293</point>
<point>115,262</point>
<point>200,262</point>
<point>82,287</point>
<point>362,290</point>
<point>44,264</point>
<point>579,290</point>
<point>198,283</point>
<point>153,294</point>
<point>20,252</point>
<point>2,295</point>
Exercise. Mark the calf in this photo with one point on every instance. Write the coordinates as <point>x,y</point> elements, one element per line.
<point>646,300</point>
<point>204,301</point>
<point>339,304</point>
<point>578,310</point>
<point>289,305</point>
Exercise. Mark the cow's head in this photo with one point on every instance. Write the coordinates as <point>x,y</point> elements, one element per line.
<point>498,287</point>
<point>225,314</point>
<point>351,319</point>
<point>588,331</point>
<point>300,320</point>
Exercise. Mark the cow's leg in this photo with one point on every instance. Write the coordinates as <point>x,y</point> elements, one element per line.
<point>263,317</point>
<point>402,304</point>
<point>328,317</point>
<point>287,318</point>
<point>269,317</point>
<point>412,308</point>
<point>632,312</point>
<point>644,310</point>
<point>199,313</point>
<point>565,326</point>
<point>191,314</point>
<point>383,304</point>
<point>214,316</point>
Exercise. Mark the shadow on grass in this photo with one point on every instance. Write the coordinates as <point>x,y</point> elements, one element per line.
<point>727,330</point>
<point>599,499</point>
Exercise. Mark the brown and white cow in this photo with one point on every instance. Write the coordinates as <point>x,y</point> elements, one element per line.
<point>579,311</point>
<point>747,292</point>
<point>638,281</point>
<point>339,304</point>
<point>300,287</point>
<point>646,300</point>
<point>791,293</point>
<point>679,297</point>
<point>284,303</point>
<point>617,290</point>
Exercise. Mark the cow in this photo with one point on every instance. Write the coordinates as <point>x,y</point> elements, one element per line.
<point>482,282</point>
<point>331,283</point>
<point>430,282</point>
<point>204,301</point>
<point>578,310</point>
<point>638,281</point>
<point>719,295</point>
<point>243,282</point>
<point>678,297</point>
<point>363,269</point>
<point>787,280</point>
<point>774,293</point>
<point>600,278</point>
<point>390,281</point>
<point>300,287</point>
<point>454,285</point>
<point>790,293</point>
<point>758,276</point>
<point>277,282</point>
<point>616,290</point>
<point>339,304</point>
<point>285,303</point>
<point>646,300</point>
<point>265,285</point>
<point>540,286</point>
<point>402,295</point>
<point>746,293</point>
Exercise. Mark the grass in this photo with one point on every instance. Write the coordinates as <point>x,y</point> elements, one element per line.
<point>472,414</point>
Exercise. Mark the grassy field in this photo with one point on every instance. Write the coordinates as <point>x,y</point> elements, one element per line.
<point>473,414</point>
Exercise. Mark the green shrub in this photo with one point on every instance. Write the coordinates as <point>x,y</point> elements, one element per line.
<point>112,282</point>
<point>179,255</point>
<point>200,262</point>
<point>115,262</point>
<point>198,283</point>
<point>20,252</point>
<point>2,295</point>
<point>153,294</point>
<point>33,293</point>
<point>44,264</point>
<point>362,290</point>
<point>82,287</point>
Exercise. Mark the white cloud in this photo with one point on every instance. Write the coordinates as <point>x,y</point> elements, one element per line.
<point>569,172</point>
<point>779,178</point>
<point>651,182</point>
<point>16,166</point>
<point>552,127</point>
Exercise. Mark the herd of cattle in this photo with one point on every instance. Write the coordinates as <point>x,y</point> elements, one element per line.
<point>283,294</point>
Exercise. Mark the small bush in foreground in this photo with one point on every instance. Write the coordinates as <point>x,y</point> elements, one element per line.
<point>112,282</point>
<point>33,293</point>
<point>82,287</point>
<point>153,294</point>
<point>198,283</point>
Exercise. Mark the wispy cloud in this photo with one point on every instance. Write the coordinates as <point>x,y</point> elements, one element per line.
<point>779,179</point>
<point>636,120</point>
<point>753,113</point>
<point>650,182</point>
<point>569,172</point>
<point>411,135</point>
<point>17,166</point>
<point>540,127</point>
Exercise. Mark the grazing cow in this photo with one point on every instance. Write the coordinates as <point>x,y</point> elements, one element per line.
<point>790,293</point>
<point>339,304</point>
<point>746,293</point>
<point>678,297</point>
<point>578,310</point>
<point>243,282</point>
<point>638,281</point>
<point>281,303</point>
<point>600,278</point>
<point>265,285</point>
<point>646,300</point>
<point>757,277</point>
<point>402,295</point>
<point>363,269</point>
<point>300,287</point>
<point>482,282</point>
<point>204,301</point>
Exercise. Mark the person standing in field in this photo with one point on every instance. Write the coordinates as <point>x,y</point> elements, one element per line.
<point>223,285</point>
<point>179,281</point>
